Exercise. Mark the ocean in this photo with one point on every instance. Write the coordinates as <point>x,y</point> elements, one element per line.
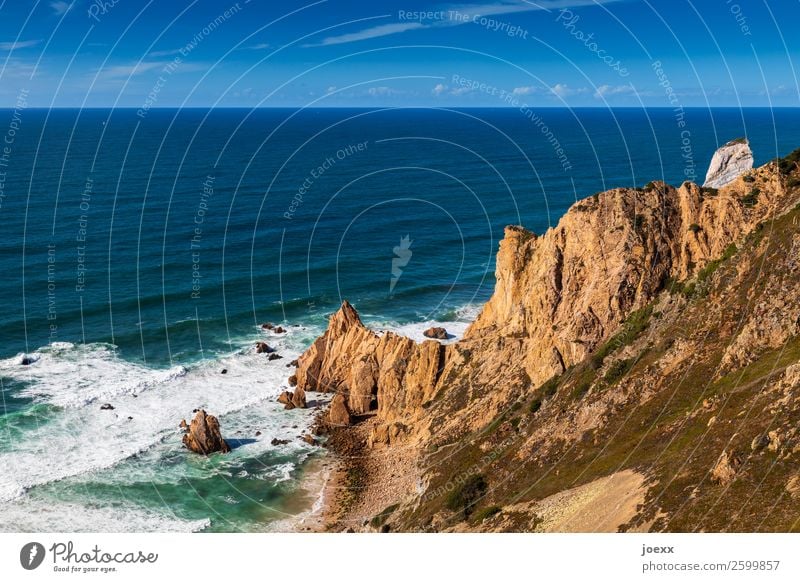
<point>143,250</point>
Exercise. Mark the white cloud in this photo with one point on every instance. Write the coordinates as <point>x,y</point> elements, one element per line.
<point>17,44</point>
<point>132,69</point>
<point>455,15</point>
<point>373,32</point>
<point>331,89</point>
<point>60,7</point>
<point>524,90</point>
<point>165,53</point>
<point>259,46</point>
<point>381,91</point>
<point>562,90</point>
<point>439,89</point>
<point>604,91</point>
<point>460,91</point>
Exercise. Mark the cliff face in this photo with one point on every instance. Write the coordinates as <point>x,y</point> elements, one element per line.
<point>570,288</point>
<point>601,319</point>
<point>729,162</point>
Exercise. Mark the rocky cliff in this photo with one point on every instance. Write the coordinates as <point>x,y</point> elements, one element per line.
<point>728,163</point>
<point>640,304</point>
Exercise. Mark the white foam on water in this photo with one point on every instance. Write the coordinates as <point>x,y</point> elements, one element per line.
<point>37,515</point>
<point>82,438</point>
<point>67,375</point>
<point>416,331</point>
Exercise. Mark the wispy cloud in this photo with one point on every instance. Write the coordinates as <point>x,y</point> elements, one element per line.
<point>132,69</point>
<point>455,15</point>
<point>604,91</point>
<point>164,53</point>
<point>373,32</point>
<point>524,90</point>
<point>18,44</point>
<point>382,91</point>
<point>60,7</point>
<point>259,46</point>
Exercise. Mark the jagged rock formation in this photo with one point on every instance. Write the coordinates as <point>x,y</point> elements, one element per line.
<point>203,435</point>
<point>728,163</point>
<point>646,317</point>
<point>387,373</point>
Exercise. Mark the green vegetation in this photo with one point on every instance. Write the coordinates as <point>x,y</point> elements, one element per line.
<point>690,289</point>
<point>695,228</point>
<point>551,386</point>
<point>535,405</point>
<point>709,191</point>
<point>381,518</point>
<point>638,222</point>
<point>487,512</point>
<point>465,497</point>
<point>712,266</point>
<point>635,324</point>
<point>650,186</point>
<point>751,198</point>
<point>617,370</point>
<point>749,179</point>
<point>582,387</point>
<point>788,163</point>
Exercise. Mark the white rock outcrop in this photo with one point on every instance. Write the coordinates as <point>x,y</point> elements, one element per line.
<point>728,163</point>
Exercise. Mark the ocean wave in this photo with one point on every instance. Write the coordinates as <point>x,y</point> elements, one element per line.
<point>148,405</point>
<point>38,515</point>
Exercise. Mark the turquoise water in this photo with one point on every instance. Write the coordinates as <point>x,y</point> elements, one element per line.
<point>141,255</point>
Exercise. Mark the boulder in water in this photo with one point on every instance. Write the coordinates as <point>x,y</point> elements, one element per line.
<point>299,397</point>
<point>204,436</point>
<point>436,333</point>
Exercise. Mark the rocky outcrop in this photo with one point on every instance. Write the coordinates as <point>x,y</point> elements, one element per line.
<point>299,398</point>
<point>203,435</point>
<point>725,470</point>
<point>436,333</point>
<point>339,415</point>
<point>382,373</point>
<point>728,163</point>
<point>570,288</point>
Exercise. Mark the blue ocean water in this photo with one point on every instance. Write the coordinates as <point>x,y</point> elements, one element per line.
<point>141,254</point>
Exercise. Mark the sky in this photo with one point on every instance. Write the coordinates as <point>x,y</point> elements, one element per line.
<point>344,53</point>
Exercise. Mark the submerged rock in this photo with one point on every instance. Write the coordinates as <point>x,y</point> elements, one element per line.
<point>263,348</point>
<point>106,406</point>
<point>728,163</point>
<point>204,435</point>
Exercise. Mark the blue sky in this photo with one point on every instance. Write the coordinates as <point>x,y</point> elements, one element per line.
<point>340,53</point>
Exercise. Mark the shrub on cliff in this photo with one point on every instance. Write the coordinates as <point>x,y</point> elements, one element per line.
<point>464,497</point>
